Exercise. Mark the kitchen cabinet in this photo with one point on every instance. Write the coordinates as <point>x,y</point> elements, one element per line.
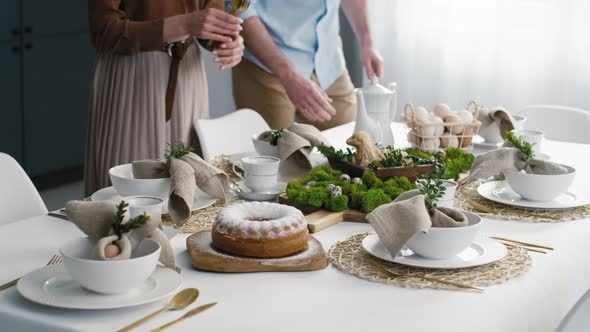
<point>47,62</point>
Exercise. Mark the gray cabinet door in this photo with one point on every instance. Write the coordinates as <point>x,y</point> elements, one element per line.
<point>57,73</point>
<point>10,101</point>
<point>9,20</point>
<point>45,18</point>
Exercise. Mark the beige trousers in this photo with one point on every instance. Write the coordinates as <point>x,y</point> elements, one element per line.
<point>256,89</point>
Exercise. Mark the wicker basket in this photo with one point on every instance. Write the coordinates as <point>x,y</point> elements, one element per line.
<point>462,131</point>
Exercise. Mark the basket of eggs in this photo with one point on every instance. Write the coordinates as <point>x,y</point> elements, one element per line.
<point>442,128</point>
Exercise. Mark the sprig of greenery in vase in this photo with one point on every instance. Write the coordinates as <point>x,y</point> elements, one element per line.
<point>525,148</point>
<point>119,227</point>
<point>177,150</point>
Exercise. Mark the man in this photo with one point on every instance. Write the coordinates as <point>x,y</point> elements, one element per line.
<point>294,61</point>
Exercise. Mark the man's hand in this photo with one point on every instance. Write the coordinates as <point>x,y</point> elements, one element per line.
<point>228,55</point>
<point>372,61</point>
<point>309,99</point>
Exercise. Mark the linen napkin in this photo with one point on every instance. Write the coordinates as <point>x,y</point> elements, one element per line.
<point>494,163</point>
<point>186,174</point>
<point>398,221</point>
<point>496,117</point>
<point>95,219</point>
<point>294,148</point>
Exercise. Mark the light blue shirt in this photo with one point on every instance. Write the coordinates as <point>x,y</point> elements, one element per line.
<point>307,32</point>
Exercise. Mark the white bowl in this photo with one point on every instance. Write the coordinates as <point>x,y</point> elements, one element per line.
<point>264,148</point>
<point>125,185</point>
<point>491,134</point>
<point>540,188</point>
<point>109,277</point>
<point>445,242</point>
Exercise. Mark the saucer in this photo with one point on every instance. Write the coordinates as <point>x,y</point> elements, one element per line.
<point>482,250</point>
<point>250,195</point>
<point>52,286</point>
<point>500,192</point>
<point>201,200</point>
<point>316,158</point>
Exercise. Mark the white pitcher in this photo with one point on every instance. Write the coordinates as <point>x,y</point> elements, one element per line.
<point>376,109</point>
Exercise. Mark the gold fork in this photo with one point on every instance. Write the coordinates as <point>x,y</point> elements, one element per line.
<point>380,268</point>
<point>56,259</point>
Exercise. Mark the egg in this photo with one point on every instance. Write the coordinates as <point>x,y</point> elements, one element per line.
<point>111,250</point>
<point>441,110</point>
<point>466,116</point>
<point>421,114</point>
<point>427,130</point>
<point>430,143</point>
<point>467,140</point>
<point>448,140</point>
<point>413,138</point>
<point>439,128</point>
<point>456,126</point>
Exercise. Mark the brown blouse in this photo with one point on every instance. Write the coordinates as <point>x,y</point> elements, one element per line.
<point>131,26</point>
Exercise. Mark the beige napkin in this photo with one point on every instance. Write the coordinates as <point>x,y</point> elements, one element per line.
<point>186,173</point>
<point>498,117</point>
<point>294,147</point>
<point>494,163</point>
<point>398,221</point>
<point>95,219</point>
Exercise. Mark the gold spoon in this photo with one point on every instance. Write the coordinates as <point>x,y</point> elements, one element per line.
<point>181,300</point>
<point>237,7</point>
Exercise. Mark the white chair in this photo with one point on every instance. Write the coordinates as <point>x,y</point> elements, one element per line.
<point>19,199</point>
<point>229,134</point>
<point>559,123</point>
<point>578,319</point>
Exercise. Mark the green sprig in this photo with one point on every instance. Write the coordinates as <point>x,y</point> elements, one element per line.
<point>177,150</point>
<point>331,153</point>
<point>525,148</point>
<point>432,189</point>
<point>119,227</point>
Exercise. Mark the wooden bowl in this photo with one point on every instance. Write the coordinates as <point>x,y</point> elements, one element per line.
<point>384,173</point>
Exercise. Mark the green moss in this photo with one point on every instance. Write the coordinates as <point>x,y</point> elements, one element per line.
<point>397,186</point>
<point>337,204</point>
<point>373,199</point>
<point>371,180</point>
<point>313,197</point>
<point>456,162</point>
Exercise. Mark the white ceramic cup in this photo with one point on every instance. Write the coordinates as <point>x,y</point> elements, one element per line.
<point>536,138</point>
<point>152,206</point>
<point>261,173</point>
<point>448,199</point>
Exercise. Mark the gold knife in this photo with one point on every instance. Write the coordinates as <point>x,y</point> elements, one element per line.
<point>185,316</point>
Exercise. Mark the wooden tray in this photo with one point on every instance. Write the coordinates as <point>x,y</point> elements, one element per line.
<point>204,257</point>
<point>318,219</point>
<point>383,173</point>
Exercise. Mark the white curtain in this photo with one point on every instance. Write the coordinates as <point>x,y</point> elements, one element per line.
<point>498,52</point>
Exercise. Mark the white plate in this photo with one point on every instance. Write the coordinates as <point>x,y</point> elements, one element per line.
<point>482,251</point>
<point>201,201</point>
<point>500,191</point>
<point>248,194</point>
<point>52,286</point>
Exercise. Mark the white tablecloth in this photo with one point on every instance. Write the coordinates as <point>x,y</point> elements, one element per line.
<point>329,300</point>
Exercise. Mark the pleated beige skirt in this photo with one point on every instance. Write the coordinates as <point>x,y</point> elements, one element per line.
<point>127,110</point>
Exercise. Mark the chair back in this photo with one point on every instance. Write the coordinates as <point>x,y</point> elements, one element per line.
<point>560,123</point>
<point>19,199</point>
<point>229,134</point>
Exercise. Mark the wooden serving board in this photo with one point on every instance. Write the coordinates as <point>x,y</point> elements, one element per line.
<point>318,219</point>
<point>385,173</point>
<point>205,257</point>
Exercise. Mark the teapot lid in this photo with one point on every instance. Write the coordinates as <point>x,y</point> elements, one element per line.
<point>374,88</point>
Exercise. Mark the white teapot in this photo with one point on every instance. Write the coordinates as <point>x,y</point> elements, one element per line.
<point>376,109</point>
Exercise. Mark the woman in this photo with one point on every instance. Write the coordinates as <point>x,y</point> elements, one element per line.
<point>149,83</point>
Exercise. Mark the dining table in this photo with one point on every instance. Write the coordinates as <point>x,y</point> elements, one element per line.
<point>329,299</point>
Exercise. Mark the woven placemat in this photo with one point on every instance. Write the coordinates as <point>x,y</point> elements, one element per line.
<point>350,257</point>
<point>468,199</point>
<point>199,220</point>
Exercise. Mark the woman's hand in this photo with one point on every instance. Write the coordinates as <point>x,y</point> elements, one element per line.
<point>215,24</point>
<point>228,55</point>
<point>372,61</point>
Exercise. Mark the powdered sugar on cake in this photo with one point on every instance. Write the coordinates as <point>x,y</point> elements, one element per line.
<point>257,220</point>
